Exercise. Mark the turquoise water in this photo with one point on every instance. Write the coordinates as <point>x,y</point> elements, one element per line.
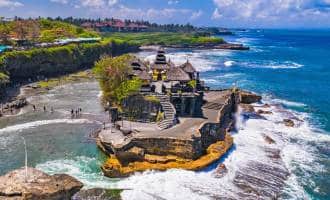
<point>2,48</point>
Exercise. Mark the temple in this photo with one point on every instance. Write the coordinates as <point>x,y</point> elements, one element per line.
<point>174,121</point>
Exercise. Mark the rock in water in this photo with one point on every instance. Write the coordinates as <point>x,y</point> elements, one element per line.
<point>249,97</point>
<point>98,194</point>
<point>264,112</point>
<point>288,122</point>
<point>220,171</point>
<point>37,185</point>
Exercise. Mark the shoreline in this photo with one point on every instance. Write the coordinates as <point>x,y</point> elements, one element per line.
<point>10,103</point>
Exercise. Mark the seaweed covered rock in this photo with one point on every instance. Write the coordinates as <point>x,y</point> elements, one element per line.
<point>31,184</point>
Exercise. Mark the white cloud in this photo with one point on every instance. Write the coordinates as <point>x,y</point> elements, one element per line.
<point>196,15</point>
<point>10,4</point>
<point>216,14</point>
<point>60,1</point>
<point>172,2</point>
<point>112,2</point>
<point>280,11</point>
<point>93,3</point>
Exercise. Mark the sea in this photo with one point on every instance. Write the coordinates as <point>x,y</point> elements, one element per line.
<point>289,68</point>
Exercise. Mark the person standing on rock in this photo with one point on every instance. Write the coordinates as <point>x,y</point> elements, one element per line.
<point>34,107</point>
<point>72,113</point>
<point>45,109</point>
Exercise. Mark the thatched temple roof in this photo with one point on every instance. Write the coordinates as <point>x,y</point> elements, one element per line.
<point>187,67</point>
<point>177,74</point>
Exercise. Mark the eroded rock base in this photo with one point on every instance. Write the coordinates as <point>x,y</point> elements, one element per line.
<point>113,168</point>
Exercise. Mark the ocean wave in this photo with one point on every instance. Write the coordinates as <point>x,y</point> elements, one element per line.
<point>273,65</point>
<point>229,63</point>
<point>85,169</point>
<point>34,124</point>
<point>200,59</point>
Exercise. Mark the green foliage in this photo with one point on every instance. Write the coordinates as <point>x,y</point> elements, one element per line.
<point>160,116</point>
<point>164,38</point>
<point>112,73</point>
<point>51,30</point>
<point>3,78</point>
<point>192,83</point>
<point>152,98</point>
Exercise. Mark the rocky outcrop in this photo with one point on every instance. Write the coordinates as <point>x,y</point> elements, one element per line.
<point>113,168</point>
<point>249,97</point>
<point>288,122</point>
<point>98,194</point>
<point>221,171</point>
<point>16,185</point>
<point>264,112</point>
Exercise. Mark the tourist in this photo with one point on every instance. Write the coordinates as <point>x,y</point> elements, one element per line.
<point>34,107</point>
<point>45,109</point>
<point>104,125</point>
<point>72,113</point>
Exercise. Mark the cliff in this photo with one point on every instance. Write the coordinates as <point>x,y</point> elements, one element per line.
<point>50,62</point>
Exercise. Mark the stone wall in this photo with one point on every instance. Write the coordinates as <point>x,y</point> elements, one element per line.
<point>213,132</point>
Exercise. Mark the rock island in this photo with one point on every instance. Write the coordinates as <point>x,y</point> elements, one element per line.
<point>163,116</point>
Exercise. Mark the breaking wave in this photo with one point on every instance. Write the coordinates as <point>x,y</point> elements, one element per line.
<point>273,65</point>
<point>34,124</point>
<point>86,169</point>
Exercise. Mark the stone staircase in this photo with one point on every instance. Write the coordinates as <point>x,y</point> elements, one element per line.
<point>169,112</point>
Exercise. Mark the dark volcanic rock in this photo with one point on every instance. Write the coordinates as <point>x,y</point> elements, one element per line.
<point>288,122</point>
<point>261,181</point>
<point>220,171</point>
<point>38,185</point>
<point>268,139</point>
<point>247,108</point>
<point>265,112</point>
<point>98,194</point>
<point>249,97</point>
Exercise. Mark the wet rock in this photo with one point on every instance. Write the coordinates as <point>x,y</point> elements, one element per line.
<point>247,108</point>
<point>221,171</point>
<point>249,97</point>
<point>19,103</point>
<point>288,122</point>
<point>264,112</point>
<point>268,139</point>
<point>98,194</point>
<point>261,180</point>
<point>273,153</point>
<point>37,185</point>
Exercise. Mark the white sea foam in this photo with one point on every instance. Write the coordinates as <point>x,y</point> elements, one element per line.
<point>34,124</point>
<point>229,63</point>
<point>84,168</point>
<point>272,65</point>
<point>200,59</point>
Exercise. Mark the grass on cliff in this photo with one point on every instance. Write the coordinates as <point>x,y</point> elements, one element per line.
<point>164,38</point>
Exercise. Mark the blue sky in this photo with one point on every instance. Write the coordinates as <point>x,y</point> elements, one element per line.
<point>226,13</point>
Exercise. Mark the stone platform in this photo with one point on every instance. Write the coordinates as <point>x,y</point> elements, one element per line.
<point>192,144</point>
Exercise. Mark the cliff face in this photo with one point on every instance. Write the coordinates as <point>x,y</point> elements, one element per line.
<point>55,61</point>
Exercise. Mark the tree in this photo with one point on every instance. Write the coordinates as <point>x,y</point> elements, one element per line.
<point>4,32</point>
<point>113,75</point>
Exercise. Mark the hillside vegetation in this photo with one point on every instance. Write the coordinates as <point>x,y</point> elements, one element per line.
<point>40,30</point>
<point>164,38</point>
